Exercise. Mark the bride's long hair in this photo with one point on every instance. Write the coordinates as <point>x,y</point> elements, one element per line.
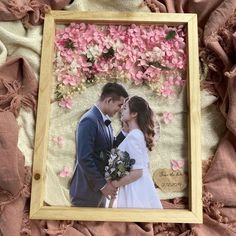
<point>145,119</point>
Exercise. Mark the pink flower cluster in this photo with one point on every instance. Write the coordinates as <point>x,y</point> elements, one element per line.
<point>66,102</point>
<point>167,87</point>
<point>177,164</point>
<point>59,140</point>
<point>65,172</point>
<point>141,53</point>
<point>168,117</point>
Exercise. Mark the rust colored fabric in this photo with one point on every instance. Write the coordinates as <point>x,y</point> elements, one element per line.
<point>18,85</point>
<point>203,8</point>
<point>12,162</point>
<point>14,177</point>
<point>217,21</point>
<point>31,12</point>
<point>18,88</point>
<point>218,51</point>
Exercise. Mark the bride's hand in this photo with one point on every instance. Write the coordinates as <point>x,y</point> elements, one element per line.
<point>115,183</point>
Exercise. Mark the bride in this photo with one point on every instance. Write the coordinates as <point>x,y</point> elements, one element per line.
<point>137,189</point>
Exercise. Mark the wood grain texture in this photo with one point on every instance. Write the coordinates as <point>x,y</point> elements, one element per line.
<point>121,17</point>
<point>194,117</point>
<point>191,215</point>
<point>118,215</point>
<point>43,113</point>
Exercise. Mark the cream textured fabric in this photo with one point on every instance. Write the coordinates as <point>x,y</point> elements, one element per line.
<point>16,40</point>
<point>19,41</point>
<point>108,5</point>
<point>3,53</point>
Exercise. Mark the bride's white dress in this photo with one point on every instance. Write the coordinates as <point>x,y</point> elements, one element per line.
<point>140,193</point>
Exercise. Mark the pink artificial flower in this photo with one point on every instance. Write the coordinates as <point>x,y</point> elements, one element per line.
<point>133,55</point>
<point>66,172</point>
<point>160,32</point>
<point>74,35</point>
<point>179,81</point>
<point>68,79</point>
<point>83,63</point>
<point>139,75</point>
<point>152,73</point>
<point>169,82</point>
<point>177,61</point>
<point>142,62</point>
<point>128,64</point>
<point>179,43</point>
<point>177,164</point>
<point>168,117</point>
<point>121,54</point>
<point>65,35</point>
<point>66,102</point>
<point>67,53</point>
<point>102,65</point>
<point>166,91</point>
<point>135,46</point>
<point>166,47</point>
<point>59,140</point>
<point>117,32</point>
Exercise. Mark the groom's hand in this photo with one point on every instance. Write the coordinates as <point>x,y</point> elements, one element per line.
<point>109,190</point>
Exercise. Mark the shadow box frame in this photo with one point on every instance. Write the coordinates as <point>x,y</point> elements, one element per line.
<point>194,212</point>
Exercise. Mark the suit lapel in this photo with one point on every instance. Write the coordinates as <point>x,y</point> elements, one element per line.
<point>105,132</point>
<point>102,125</point>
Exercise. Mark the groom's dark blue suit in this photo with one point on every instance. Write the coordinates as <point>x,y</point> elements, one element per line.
<point>91,139</point>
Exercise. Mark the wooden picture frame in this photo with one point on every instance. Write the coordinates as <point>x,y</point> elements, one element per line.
<point>194,212</point>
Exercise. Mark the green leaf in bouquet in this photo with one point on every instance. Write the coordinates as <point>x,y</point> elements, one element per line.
<point>113,176</point>
<point>132,162</point>
<point>126,154</point>
<point>121,168</point>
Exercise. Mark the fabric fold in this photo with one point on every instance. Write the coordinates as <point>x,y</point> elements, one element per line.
<point>18,86</point>
<point>31,12</point>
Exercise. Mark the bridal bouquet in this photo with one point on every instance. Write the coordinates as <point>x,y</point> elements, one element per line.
<point>119,165</point>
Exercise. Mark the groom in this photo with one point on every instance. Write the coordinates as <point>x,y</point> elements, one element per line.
<point>94,135</point>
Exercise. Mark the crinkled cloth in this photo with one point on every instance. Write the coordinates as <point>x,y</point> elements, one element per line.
<point>218,52</point>
<point>31,12</point>
<point>18,88</point>
<point>203,8</point>
<point>219,180</point>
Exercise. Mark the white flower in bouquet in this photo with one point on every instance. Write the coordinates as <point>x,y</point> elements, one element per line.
<point>119,164</point>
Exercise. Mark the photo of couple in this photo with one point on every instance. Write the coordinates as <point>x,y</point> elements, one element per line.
<point>89,187</point>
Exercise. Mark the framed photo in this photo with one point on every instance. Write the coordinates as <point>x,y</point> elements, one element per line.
<point>154,56</point>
